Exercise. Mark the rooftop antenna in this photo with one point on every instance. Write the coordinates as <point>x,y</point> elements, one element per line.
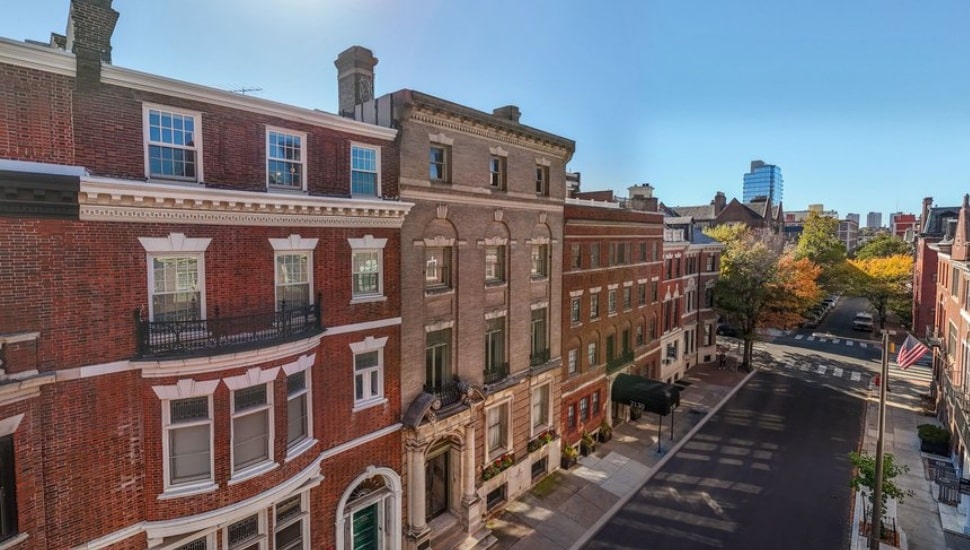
<point>245,90</point>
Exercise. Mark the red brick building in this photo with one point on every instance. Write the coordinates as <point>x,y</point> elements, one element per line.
<point>199,311</point>
<point>611,276</point>
<point>932,229</point>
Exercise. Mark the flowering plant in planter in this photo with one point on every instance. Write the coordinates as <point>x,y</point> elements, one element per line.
<point>497,466</point>
<point>542,440</point>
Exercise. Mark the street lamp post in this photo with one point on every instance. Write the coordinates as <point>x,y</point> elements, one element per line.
<point>875,531</point>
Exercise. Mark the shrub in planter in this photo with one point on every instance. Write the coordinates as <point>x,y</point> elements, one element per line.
<point>568,456</point>
<point>587,444</point>
<point>606,432</point>
<point>934,439</point>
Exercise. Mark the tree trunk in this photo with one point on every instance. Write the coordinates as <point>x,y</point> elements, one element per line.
<point>748,349</point>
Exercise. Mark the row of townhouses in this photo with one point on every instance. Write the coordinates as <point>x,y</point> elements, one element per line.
<point>229,323</point>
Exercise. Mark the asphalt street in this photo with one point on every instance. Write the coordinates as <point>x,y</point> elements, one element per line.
<point>770,470</point>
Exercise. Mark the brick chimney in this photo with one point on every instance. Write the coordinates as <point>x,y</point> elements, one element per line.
<point>641,198</point>
<point>508,112</point>
<point>355,78</point>
<point>90,25</point>
<point>719,202</point>
<point>924,214</point>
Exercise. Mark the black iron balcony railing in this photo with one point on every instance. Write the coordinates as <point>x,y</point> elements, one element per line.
<point>448,394</point>
<point>199,337</point>
<point>497,373</point>
<point>619,361</point>
<point>538,358</point>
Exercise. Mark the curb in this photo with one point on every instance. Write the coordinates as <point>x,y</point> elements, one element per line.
<point>595,528</point>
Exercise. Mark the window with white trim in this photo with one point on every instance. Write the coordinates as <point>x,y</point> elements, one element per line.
<point>542,180</point>
<point>365,173</point>
<point>611,303</point>
<point>173,143</point>
<point>498,430</point>
<point>297,408</point>
<point>291,525</point>
<point>540,408</point>
<point>246,534</point>
<point>437,267</point>
<point>594,305</point>
<point>583,409</point>
<point>294,283</point>
<point>252,420</point>
<point>177,286</point>
<point>187,429</point>
<point>591,354</point>
<point>575,305</point>
<point>367,273</point>
<point>573,362</point>
<point>201,543</point>
<point>540,260</point>
<point>439,160</point>
<point>368,376</point>
<point>285,159</point>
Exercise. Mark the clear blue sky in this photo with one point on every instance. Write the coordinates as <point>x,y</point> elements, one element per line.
<point>864,104</point>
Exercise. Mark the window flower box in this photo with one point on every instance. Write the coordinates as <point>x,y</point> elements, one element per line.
<point>541,440</point>
<point>498,466</point>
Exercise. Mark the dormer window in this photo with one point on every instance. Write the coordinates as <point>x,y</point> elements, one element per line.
<point>173,143</point>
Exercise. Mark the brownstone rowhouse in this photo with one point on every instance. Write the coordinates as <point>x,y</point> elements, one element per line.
<point>481,265</point>
<point>200,314</point>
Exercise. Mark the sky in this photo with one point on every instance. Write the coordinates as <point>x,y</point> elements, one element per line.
<point>864,104</point>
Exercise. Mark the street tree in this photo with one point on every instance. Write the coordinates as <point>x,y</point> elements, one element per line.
<point>865,476</point>
<point>819,242</point>
<point>885,282</point>
<point>883,246</point>
<point>758,286</point>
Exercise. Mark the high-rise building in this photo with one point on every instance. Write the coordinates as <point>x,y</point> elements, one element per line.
<point>853,217</point>
<point>874,220</point>
<point>764,180</point>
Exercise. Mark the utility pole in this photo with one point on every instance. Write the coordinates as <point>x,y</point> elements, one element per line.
<point>875,532</point>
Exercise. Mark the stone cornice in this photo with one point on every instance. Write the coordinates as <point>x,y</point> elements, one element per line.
<point>40,58</point>
<point>103,199</point>
<point>473,128</point>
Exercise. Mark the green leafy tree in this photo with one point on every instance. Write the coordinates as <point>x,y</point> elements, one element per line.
<point>883,246</point>
<point>885,282</point>
<point>819,242</point>
<point>865,476</point>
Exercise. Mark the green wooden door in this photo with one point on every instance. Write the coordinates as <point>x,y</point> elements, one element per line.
<point>365,528</point>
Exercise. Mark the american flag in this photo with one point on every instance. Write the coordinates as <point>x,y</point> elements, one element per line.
<point>910,352</point>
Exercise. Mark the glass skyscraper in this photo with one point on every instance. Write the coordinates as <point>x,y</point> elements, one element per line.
<point>764,180</point>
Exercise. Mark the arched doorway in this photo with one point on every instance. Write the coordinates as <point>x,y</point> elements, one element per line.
<point>369,512</point>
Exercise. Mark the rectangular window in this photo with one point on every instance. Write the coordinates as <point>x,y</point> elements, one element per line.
<point>642,294</point>
<point>8,489</point>
<point>495,264</point>
<point>368,377</point>
<point>574,310</point>
<point>290,527</point>
<point>367,272</point>
<point>251,420</point>
<point>595,404</point>
<point>437,267</point>
<point>627,297</point>
<point>540,343</point>
<point>654,290</point>
<point>498,424</point>
<point>955,282</point>
<point>542,180</point>
<point>197,544</point>
<point>496,169</point>
<point>573,364</point>
<point>437,359</point>
<point>576,253</point>
<point>495,345</point>
<point>594,305</point>
<point>591,354</point>
<point>173,144</point>
<point>292,280</point>
<point>297,409</point>
<point>176,289</point>
<point>540,408</point>
<point>188,433</point>
<point>245,534</point>
<point>639,335</point>
<point>438,163</point>
<point>583,409</point>
<point>571,417</point>
<point>285,160</point>
<point>710,263</point>
<point>611,301</point>
<point>594,255</point>
<point>643,251</point>
<point>540,260</point>
<point>496,497</point>
<point>364,171</point>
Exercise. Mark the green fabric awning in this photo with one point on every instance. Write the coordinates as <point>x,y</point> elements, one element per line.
<point>652,396</point>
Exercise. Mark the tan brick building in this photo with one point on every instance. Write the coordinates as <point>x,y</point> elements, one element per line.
<point>481,272</point>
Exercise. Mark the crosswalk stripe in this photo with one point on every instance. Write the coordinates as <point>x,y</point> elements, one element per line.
<point>856,376</point>
<point>821,369</point>
<point>837,371</point>
<point>799,337</point>
<point>823,340</point>
<point>804,368</point>
<point>849,343</point>
<point>811,338</point>
<point>863,345</point>
<point>836,341</point>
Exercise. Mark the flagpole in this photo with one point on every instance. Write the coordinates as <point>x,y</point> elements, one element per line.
<point>875,531</point>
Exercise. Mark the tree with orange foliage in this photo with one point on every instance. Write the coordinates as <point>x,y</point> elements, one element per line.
<point>793,290</point>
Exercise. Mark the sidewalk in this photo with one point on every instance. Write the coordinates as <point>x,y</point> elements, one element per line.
<point>921,517</point>
<point>569,506</point>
